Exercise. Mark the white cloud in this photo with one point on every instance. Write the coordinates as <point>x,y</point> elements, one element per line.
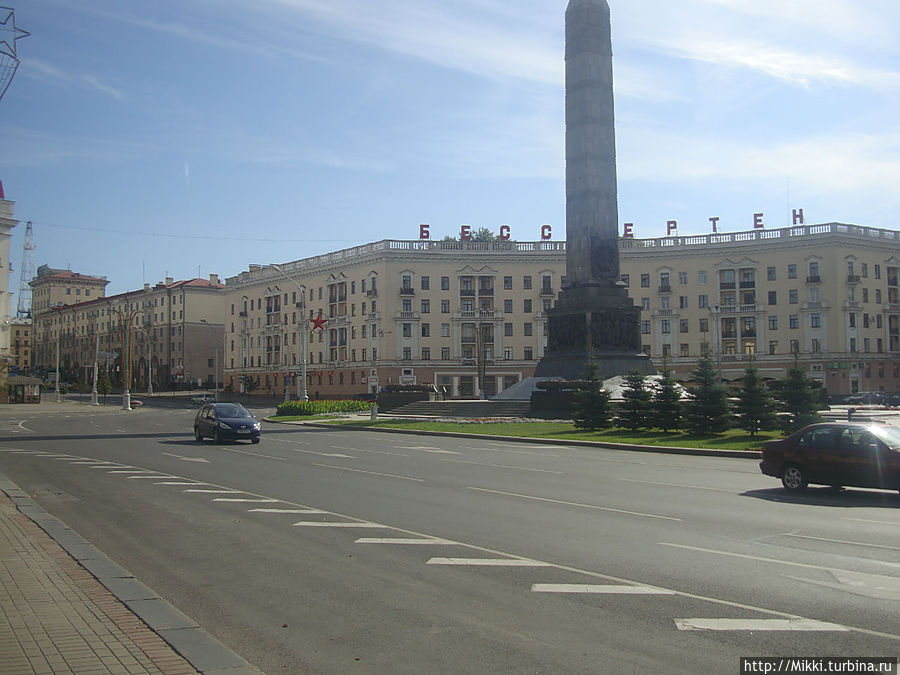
<point>58,77</point>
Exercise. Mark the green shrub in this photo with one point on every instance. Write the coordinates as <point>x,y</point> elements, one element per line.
<point>298,408</point>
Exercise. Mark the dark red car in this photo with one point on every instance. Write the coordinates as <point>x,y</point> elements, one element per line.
<point>836,454</point>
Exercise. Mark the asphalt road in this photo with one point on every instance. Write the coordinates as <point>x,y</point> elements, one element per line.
<point>346,551</point>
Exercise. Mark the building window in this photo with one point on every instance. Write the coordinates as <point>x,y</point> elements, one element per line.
<point>507,353</point>
<point>407,330</point>
<point>667,350</point>
<point>507,329</point>
<point>407,353</point>
<point>645,327</point>
<point>770,274</point>
<point>865,297</point>
<point>527,330</point>
<point>645,281</point>
<point>507,283</point>
<point>665,326</point>
<point>852,319</point>
<point>853,344</point>
<point>445,353</point>
<point>864,270</point>
<point>425,283</point>
<point>682,302</point>
<point>405,282</point>
<point>704,325</point>
<point>815,320</point>
<point>645,304</point>
<point>773,323</point>
<point>529,354</point>
<point>445,283</point>
<point>526,283</point>
<point>426,330</point>
<point>445,306</point>
<point>701,277</point>
<point>426,353</point>
<point>626,279</point>
<point>445,330</point>
<point>508,306</point>
<point>526,306</point>
<point>877,271</point>
<point>426,306</point>
<point>793,297</point>
<point>792,271</point>
<point>685,350</point>
<point>683,326</point>
<point>877,296</point>
<point>773,297</point>
<point>794,321</point>
<point>702,301</point>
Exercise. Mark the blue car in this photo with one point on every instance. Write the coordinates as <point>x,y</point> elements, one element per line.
<point>226,422</point>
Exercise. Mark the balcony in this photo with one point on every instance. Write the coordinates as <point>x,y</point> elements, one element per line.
<point>478,314</point>
<point>242,314</point>
<point>737,309</point>
<point>892,307</point>
<point>748,284</point>
<point>467,292</point>
<point>814,279</point>
<point>547,290</point>
<point>407,291</point>
<point>852,278</point>
<point>665,288</point>
<point>748,333</point>
<point>727,286</point>
<point>486,291</point>
<point>407,316</point>
<point>372,293</point>
<point>664,312</point>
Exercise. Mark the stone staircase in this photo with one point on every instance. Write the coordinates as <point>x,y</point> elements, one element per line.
<point>464,409</point>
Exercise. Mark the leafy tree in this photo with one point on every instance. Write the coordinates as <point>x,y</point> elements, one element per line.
<point>755,407</point>
<point>708,409</point>
<point>799,399</point>
<point>104,386</point>
<point>636,401</point>
<point>667,406</point>
<point>483,234</point>
<point>591,406</point>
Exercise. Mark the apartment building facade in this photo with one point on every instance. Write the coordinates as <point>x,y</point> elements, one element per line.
<point>7,223</point>
<point>175,337</point>
<point>468,316</point>
<point>460,315</point>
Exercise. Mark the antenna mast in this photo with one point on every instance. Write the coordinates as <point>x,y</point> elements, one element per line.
<point>23,310</point>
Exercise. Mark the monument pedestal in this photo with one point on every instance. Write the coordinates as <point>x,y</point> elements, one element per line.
<point>595,323</point>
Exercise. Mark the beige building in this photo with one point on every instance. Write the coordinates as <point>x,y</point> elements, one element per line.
<point>175,328</point>
<point>56,288</point>
<point>7,223</point>
<point>398,312</point>
<point>20,352</point>
<point>440,312</point>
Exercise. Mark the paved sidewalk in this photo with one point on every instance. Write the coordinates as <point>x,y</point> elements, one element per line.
<point>57,618</point>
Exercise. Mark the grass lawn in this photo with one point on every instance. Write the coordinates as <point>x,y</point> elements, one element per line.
<point>734,439</point>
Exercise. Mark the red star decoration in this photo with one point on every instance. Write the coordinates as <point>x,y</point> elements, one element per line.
<point>319,322</point>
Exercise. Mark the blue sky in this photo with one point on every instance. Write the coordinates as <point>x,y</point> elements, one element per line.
<point>198,136</point>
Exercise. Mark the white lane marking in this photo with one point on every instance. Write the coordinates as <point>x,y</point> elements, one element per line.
<point>877,522</point>
<point>373,473</point>
<point>285,511</point>
<point>514,452</point>
<point>404,540</point>
<point>489,562</point>
<point>693,487</point>
<point>216,492</point>
<point>314,452</point>
<point>310,523</point>
<point>145,477</point>
<point>247,500</point>
<point>134,471</point>
<point>254,454</point>
<point>584,506</point>
<point>841,541</point>
<point>758,625</point>
<point>501,466</point>
<point>771,560</point>
<point>380,452</point>
<point>179,483</point>
<point>188,459</point>
<point>600,588</point>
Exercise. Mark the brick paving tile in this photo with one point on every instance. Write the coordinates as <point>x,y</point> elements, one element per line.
<point>55,617</point>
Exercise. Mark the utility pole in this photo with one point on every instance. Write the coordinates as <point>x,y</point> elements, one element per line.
<point>94,400</point>
<point>57,368</point>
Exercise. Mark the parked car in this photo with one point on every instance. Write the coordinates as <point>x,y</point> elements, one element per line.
<point>836,454</point>
<point>226,421</point>
<point>204,398</point>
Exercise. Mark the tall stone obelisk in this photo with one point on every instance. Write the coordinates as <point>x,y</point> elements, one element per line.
<point>594,318</point>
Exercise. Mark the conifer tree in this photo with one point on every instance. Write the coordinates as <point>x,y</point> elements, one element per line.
<point>708,409</point>
<point>591,406</point>
<point>667,405</point>
<point>799,399</point>
<point>634,410</point>
<point>755,408</point>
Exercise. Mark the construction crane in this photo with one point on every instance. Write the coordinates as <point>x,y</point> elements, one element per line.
<point>23,310</point>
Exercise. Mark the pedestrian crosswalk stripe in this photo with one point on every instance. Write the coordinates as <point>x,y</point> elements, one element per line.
<point>798,624</point>
<point>599,588</point>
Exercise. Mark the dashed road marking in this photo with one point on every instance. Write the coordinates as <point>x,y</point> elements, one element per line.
<point>584,506</point>
<point>310,523</point>
<point>373,473</point>
<point>758,625</point>
<point>489,562</point>
<point>501,466</point>
<point>215,492</point>
<point>692,487</point>
<point>404,541</point>
<point>600,588</point>
<point>247,500</point>
<point>285,511</point>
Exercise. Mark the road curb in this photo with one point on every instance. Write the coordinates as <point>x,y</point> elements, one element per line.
<point>659,449</point>
<point>180,632</point>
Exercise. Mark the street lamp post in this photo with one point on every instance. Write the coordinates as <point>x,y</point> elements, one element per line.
<point>94,400</point>
<point>301,325</point>
<point>146,334</point>
<point>126,318</point>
